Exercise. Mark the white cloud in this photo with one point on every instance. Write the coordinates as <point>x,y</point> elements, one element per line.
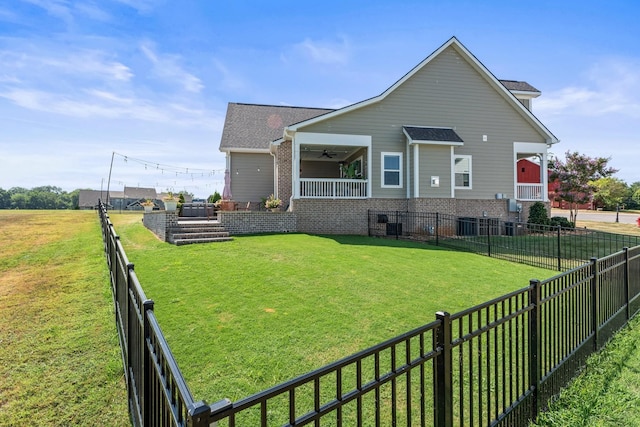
<point>41,66</point>
<point>92,11</point>
<point>167,67</point>
<point>56,8</point>
<point>107,105</point>
<point>141,6</point>
<point>611,87</point>
<point>323,52</point>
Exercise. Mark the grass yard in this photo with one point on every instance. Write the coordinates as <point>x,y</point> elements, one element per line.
<point>245,315</point>
<point>611,227</point>
<point>60,361</point>
<point>607,392</point>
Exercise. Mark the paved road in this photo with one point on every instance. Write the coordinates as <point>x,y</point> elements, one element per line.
<point>600,216</point>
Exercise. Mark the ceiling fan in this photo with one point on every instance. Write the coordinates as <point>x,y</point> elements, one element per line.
<point>327,154</point>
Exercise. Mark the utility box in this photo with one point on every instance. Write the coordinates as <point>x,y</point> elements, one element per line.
<point>394,229</point>
<point>467,226</point>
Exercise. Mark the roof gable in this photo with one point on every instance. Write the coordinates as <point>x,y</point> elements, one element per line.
<point>499,86</point>
<point>252,127</point>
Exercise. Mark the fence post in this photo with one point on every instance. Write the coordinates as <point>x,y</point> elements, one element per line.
<point>443,393</point>
<point>559,247</point>
<point>627,296</point>
<point>437,229</point>
<point>198,414</point>
<point>146,367</point>
<point>595,304</point>
<point>534,346</point>
<point>488,224</point>
<point>396,227</point>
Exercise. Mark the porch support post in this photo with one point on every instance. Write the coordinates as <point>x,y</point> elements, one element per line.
<point>544,179</point>
<point>416,170</point>
<point>295,168</point>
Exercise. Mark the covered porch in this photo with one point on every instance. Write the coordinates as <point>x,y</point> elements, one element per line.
<point>531,175</point>
<point>327,166</point>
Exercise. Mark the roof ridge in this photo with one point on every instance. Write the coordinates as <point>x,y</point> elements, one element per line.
<point>282,106</point>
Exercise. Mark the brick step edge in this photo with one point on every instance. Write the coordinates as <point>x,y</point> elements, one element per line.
<point>181,242</point>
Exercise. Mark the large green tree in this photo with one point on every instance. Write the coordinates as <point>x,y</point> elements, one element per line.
<point>575,177</point>
<point>610,192</point>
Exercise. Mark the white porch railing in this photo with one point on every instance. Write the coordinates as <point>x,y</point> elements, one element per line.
<point>330,188</point>
<point>530,192</point>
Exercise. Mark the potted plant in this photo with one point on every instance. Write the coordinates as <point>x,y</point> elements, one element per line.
<point>170,202</point>
<point>272,203</point>
<point>226,205</point>
<point>148,205</point>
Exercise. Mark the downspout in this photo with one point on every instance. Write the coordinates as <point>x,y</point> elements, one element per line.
<point>275,172</point>
<point>288,135</point>
<point>408,168</point>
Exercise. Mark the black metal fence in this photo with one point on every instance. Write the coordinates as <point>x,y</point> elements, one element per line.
<point>552,247</point>
<point>156,390</point>
<point>494,364</point>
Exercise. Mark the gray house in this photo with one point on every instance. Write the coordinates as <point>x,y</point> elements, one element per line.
<point>446,137</point>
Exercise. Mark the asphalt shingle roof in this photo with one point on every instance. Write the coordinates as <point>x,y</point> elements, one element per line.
<point>140,193</point>
<point>432,134</point>
<point>518,86</point>
<point>252,126</point>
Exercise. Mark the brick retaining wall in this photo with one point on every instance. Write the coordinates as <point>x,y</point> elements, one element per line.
<point>159,222</point>
<point>253,222</point>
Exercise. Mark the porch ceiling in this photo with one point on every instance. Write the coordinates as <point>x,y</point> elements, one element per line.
<point>327,153</point>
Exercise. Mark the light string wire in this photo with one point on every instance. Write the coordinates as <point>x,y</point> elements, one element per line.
<point>173,176</point>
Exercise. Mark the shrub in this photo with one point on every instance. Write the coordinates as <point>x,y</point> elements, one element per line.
<point>538,214</point>
<point>561,221</point>
<point>214,197</point>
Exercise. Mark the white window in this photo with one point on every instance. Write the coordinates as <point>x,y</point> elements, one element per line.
<point>462,172</point>
<point>391,170</point>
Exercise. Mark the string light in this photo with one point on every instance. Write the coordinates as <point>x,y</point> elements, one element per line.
<point>185,178</point>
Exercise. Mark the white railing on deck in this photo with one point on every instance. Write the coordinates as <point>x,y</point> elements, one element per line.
<point>330,188</point>
<point>530,192</point>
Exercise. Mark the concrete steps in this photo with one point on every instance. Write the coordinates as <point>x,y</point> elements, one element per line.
<point>198,230</point>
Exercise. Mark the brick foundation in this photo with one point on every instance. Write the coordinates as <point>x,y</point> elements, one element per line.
<point>252,222</point>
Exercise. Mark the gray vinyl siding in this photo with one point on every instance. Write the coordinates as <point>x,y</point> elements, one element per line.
<point>446,92</point>
<point>435,160</point>
<point>251,176</point>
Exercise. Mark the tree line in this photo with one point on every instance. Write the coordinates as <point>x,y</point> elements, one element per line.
<point>46,197</point>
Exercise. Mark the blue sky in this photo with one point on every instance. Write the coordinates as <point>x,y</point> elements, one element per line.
<point>151,79</point>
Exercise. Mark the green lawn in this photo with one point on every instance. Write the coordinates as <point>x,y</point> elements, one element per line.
<point>607,392</point>
<point>60,361</point>
<point>245,315</point>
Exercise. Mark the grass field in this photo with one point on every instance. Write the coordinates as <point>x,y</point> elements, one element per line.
<point>245,315</point>
<point>60,362</point>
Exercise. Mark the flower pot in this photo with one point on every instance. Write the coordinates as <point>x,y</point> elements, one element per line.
<point>227,205</point>
<point>170,205</point>
<point>148,208</point>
